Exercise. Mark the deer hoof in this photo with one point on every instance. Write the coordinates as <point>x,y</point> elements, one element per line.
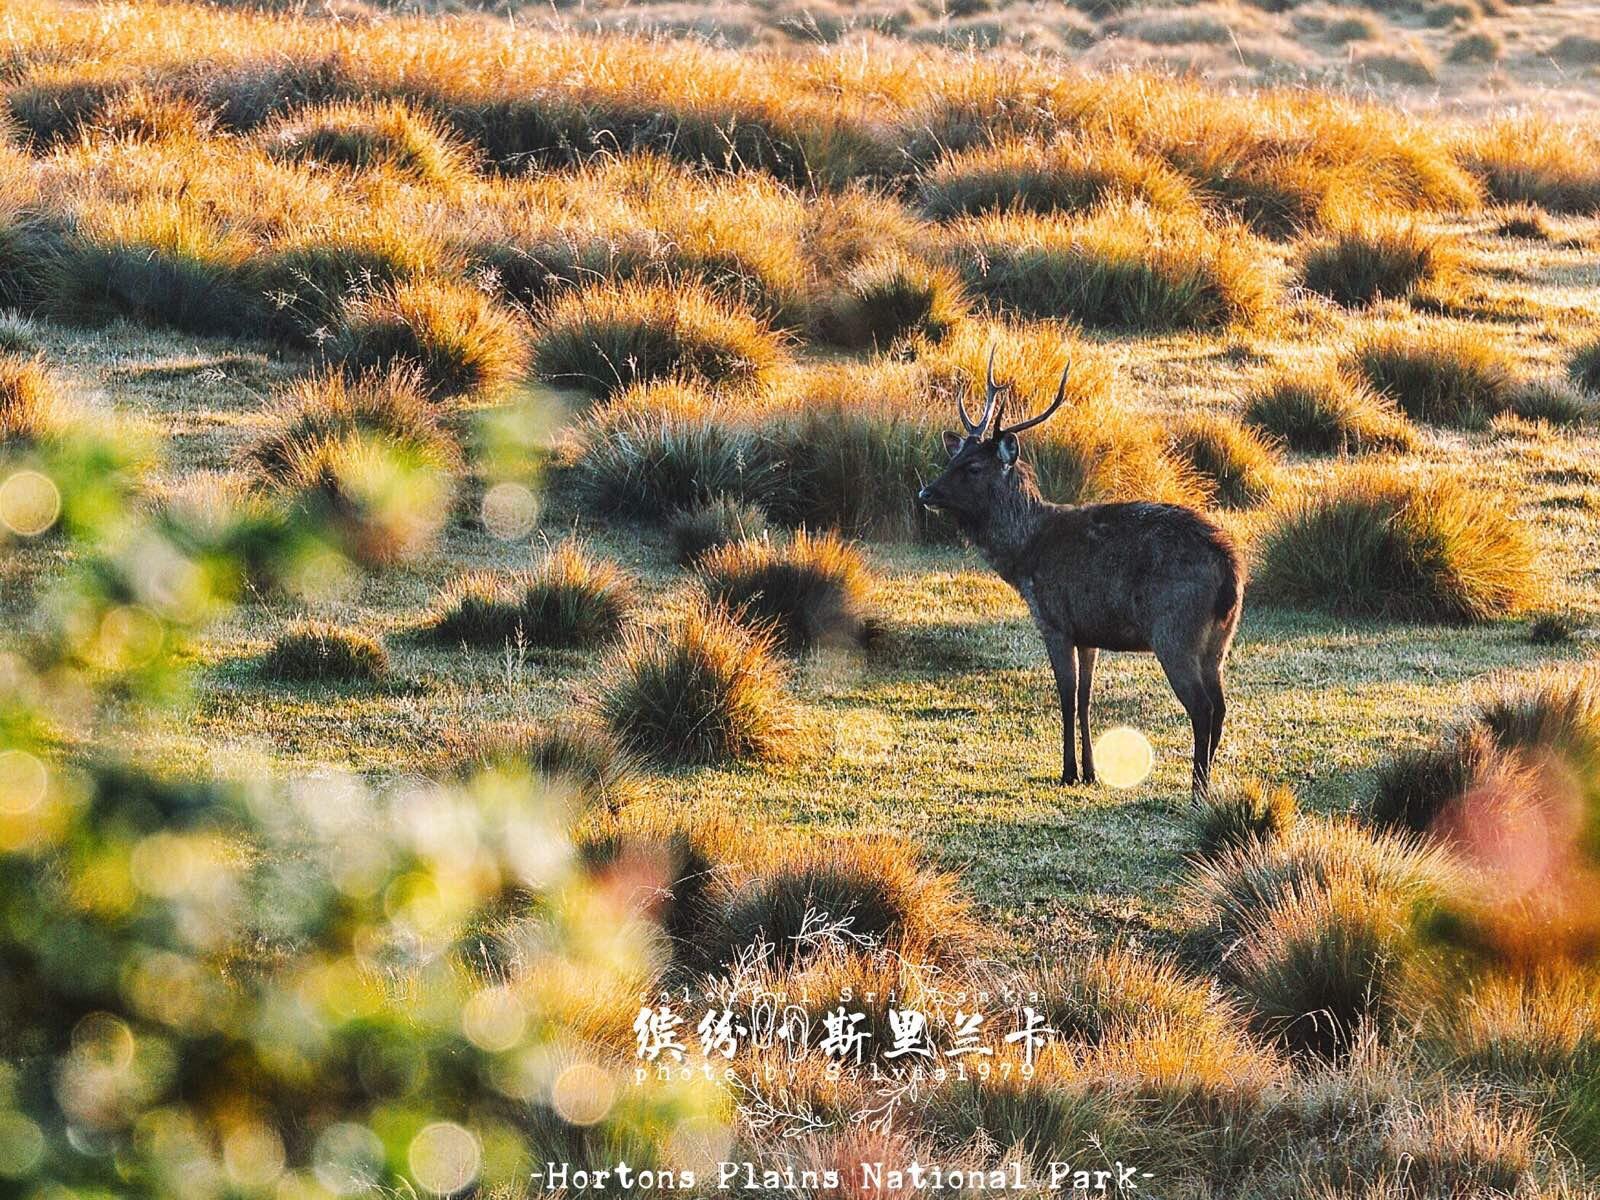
<point>1088,777</point>
<point>1068,778</point>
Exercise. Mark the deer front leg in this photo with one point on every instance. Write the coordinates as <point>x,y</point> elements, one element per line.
<point>1064,661</point>
<point>1086,656</point>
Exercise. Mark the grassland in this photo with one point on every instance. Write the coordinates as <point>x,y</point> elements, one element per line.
<point>798,254</point>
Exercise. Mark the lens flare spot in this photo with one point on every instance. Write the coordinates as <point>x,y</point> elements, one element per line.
<point>253,1155</point>
<point>23,782</point>
<point>104,1040</point>
<point>21,1145</point>
<point>509,510</point>
<point>582,1094</point>
<point>1123,757</point>
<point>444,1158</point>
<point>493,1019</point>
<point>129,636</point>
<point>29,503</point>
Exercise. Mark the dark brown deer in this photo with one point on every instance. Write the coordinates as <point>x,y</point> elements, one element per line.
<point>1134,576</point>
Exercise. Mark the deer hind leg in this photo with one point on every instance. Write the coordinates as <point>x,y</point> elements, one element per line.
<point>1189,684</point>
<point>1064,662</point>
<point>1086,657</point>
<point>1219,710</point>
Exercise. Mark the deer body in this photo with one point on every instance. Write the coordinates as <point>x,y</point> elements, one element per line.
<point>1138,576</point>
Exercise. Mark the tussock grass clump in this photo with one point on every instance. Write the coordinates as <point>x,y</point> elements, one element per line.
<point>1230,894</point>
<point>675,874</point>
<point>1245,812</point>
<point>887,298</point>
<point>637,460</point>
<point>1553,628</point>
<point>569,598</point>
<point>712,524</point>
<point>157,261</point>
<point>1123,267</point>
<point>458,341</point>
<point>1413,67</point>
<point>1552,400</point>
<point>331,406</point>
<point>307,280</point>
<point>368,137</point>
<point>1557,710</point>
<point>576,758</point>
<point>811,592</point>
<point>1416,784</point>
<point>31,408</point>
<point>1326,964</point>
<point>1374,542</point>
<point>1476,46</point>
<point>1376,260</point>
<point>1327,411</point>
<point>147,115</point>
<point>1099,997</point>
<point>862,894</point>
<point>1584,367</point>
<point>1069,175</point>
<point>1528,160</point>
<point>1526,221</point>
<point>1239,466</point>
<point>605,338</point>
<point>19,337</point>
<point>1437,375</point>
<point>703,691</point>
<point>318,652</point>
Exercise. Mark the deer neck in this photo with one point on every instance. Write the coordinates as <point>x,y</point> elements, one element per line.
<point>1005,534</point>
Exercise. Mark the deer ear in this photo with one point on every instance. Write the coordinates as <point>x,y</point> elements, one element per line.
<point>1007,448</point>
<point>952,443</point>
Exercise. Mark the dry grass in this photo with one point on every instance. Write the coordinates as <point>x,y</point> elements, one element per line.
<point>1443,376</point>
<point>605,339</point>
<point>702,691</point>
<point>370,137</point>
<point>317,652</point>
<point>570,598</point>
<point>1234,816</point>
<point>1123,267</point>
<point>811,592</point>
<point>712,524</point>
<point>1584,367</point>
<point>31,406</point>
<point>1376,542</point>
<point>1377,261</point>
<point>890,297</point>
<point>1071,175</point>
<point>1327,411</point>
<point>1527,161</point>
<point>1238,466</point>
<point>455,338</point>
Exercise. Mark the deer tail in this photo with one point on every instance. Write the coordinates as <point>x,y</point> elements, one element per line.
<point>1228,589</point>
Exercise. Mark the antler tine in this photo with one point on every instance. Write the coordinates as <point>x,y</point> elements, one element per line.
<point>1061,397</point>
<point>991,392</point>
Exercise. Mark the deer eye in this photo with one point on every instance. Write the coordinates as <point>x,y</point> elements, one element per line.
<point>974,467</point>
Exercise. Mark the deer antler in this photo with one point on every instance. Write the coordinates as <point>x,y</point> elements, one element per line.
<point>1061,396</point>
<point>991,393</point>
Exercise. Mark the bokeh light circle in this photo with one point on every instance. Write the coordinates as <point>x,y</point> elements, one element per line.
<point>1123,757</point>
<point>23,782</point>
<point>30,502</point>
<point>509,510</point>
<point>582,1094</point>
<point>21,1145</point>
<point>444,1158</point>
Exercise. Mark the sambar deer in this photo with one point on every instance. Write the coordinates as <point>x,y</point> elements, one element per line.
<point>1130,576</point>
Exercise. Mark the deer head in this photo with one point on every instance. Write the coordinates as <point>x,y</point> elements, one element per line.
<point>982,463</point>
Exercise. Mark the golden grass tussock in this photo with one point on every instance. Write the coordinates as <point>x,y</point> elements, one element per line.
<point>1239,814</point>
<point>575,758</point>
<point>369,137</point>
<point>1123,267</point>
<point>1376,542</point>
<point>1238,465</point>
<point>811,592</point>
<point>318,652</point>
<point>890,297</point>
<point>1377,260</point>
<point>1439,375</point>
<point>700,692</point>
<point>1584,367</point>
<point>569,598</point>
<point>604,339</point>
<point>330,406</point>
<point>1525,160</point>
<point>1071,174</point>
<point>860,895</point>
<point>32,406</point>
<point>457,340</point>
<point>1327,410</point>
<point>711,524</point>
